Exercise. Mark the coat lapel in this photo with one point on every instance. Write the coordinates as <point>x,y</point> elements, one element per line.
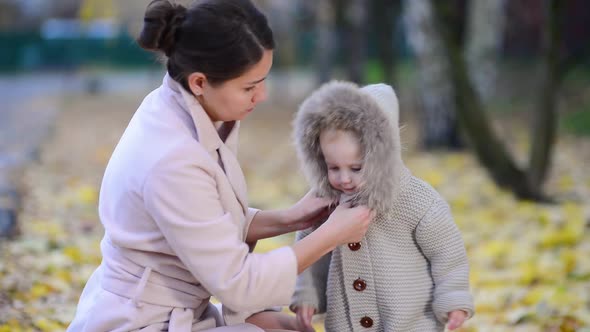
<point>233,171</point>
<point>210,139</point>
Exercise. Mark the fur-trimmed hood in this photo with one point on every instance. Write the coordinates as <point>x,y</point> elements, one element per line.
<point>372,113</point>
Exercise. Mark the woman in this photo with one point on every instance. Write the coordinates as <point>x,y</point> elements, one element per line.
<point>173,200</point>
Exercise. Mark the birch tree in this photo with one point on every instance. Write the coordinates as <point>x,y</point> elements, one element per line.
<point>326,38</point>
<point>436,91</point>
<point>485,29</point>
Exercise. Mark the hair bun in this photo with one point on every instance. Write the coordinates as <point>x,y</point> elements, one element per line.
<point>160,25</point>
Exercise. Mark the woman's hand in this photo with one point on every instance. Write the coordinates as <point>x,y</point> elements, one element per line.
<point>309,211</point>
<point>345,225</point>
<point>456,319</point>
<point>304,313</point>
<point>349,224</point>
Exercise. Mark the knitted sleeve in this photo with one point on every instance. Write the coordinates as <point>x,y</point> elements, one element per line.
<point>310,287</point>
<point>440,241</point>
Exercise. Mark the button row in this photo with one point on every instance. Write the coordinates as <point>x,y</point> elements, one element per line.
<point>360,285</point>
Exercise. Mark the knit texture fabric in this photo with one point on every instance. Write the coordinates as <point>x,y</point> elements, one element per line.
<point>412,261</point>
<point>411,269</point>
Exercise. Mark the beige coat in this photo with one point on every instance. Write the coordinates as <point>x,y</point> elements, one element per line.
<point>175,210</point>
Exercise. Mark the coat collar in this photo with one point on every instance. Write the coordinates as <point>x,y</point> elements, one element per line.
<point>207,133</point>
<point>209,137</point>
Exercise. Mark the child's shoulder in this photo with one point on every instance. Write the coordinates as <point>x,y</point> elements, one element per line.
<point>418,189</point>
<point>416,199</point>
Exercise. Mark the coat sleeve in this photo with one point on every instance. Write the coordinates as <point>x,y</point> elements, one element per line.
<point>440,241</point>
<point>310,287</point>
<point>182,198</point>
<point>249,217</point>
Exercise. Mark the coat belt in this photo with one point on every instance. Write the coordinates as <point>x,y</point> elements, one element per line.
<point>126,278</point>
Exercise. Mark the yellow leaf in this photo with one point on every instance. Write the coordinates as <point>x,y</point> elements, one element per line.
<point>74,254</point>
<point>47,325</point>
<point>318,326</point>
<point>569,258</point>
<point>565,183</point>
<point>568,235</point>
<point>40,290</point>
<point>563,299</point>
<point>455,161</point>
<point>460,203</point>
<point>267,245</point>
<point>534,296</point>
<point>64,275</point>
<point>497,249</point>
<point>87,195</point>
<point>435,178</point>
<point>572,210</point>
<point>528,272</point>
<point>544,218</point>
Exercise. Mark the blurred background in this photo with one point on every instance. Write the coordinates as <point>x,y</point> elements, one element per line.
<point>495,104</point>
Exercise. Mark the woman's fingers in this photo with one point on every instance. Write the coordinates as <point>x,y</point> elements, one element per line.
<point>308,317</point>
<point>349,224</point>
<point>304,316</point>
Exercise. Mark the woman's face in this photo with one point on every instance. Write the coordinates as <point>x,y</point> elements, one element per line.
<point>236,98</point>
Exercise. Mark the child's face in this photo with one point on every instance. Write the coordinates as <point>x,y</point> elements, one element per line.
<point>342,154</point>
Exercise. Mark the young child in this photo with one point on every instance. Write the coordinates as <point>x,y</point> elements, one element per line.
<point>410,272</point>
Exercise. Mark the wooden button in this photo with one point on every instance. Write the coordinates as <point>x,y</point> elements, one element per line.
<point>354,246</point>
<point>359,285</point>
<point>366,322</point>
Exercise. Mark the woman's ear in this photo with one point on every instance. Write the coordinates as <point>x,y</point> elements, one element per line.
<point>196,82</point>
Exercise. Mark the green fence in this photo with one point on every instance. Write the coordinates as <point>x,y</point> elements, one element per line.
<point>23,51</point>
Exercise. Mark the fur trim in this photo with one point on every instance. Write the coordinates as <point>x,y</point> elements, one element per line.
<point>372,114</point>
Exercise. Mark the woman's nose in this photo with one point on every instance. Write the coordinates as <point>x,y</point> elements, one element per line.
<point>260,94</point>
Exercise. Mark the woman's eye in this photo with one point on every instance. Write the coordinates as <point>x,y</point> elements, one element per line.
<point>248,89</point>
<point>356,169</point>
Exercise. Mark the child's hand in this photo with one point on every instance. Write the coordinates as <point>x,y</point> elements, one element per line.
<point>456,319</point>
<point>304,313</point>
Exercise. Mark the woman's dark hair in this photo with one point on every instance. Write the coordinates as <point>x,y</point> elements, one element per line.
<point>219,38</point>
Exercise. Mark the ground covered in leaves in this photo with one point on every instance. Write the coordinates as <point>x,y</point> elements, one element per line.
<point>530,262</point>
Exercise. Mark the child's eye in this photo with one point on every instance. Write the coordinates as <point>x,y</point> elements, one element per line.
<point>356,169</point>
<point>332,168</point>
<point>248,89</point>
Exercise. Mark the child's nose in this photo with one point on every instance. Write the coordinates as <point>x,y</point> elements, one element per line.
<point>344,178</point>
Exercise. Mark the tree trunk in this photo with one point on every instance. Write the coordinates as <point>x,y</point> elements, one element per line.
<point>488,147</point>
<point>356,15</point>
<point>326,37</point>
<point>436,89</point>
<point>484,37</point>
<point>385,13</point>
<point>545,121</point>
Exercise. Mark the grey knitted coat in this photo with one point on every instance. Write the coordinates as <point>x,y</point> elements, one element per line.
<point>410,270</point>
